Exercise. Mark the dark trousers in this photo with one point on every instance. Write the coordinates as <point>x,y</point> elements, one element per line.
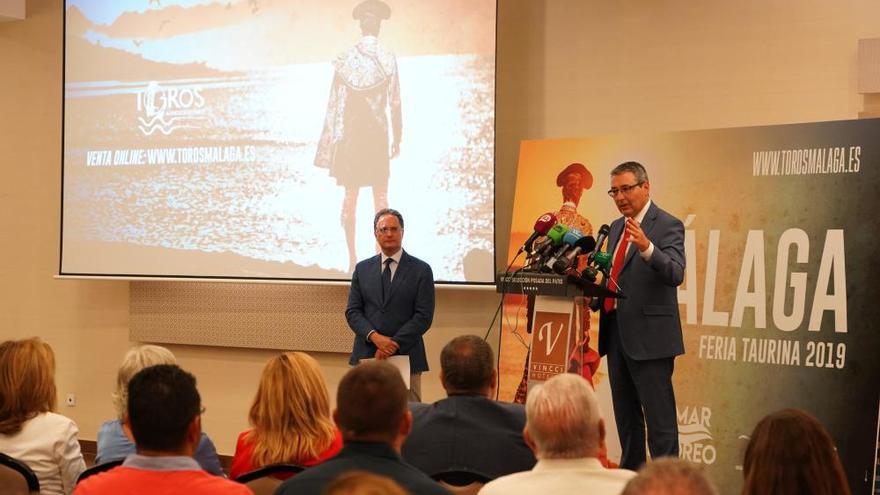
<point>642,393</point>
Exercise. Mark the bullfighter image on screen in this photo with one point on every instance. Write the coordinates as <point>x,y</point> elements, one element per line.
<point>354,144</point>
<point>252,139</point>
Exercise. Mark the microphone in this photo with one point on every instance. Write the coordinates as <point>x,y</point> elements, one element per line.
<point>603,263</point>
<point>600,239</point>
<point>554,239</point>
<point>568,240</point>
<point>543,225</point>
<point>583,245</point>
<point>590,274</point>
<point>602,260</point>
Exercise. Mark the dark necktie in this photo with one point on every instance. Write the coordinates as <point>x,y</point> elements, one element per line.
<point>386,279</point>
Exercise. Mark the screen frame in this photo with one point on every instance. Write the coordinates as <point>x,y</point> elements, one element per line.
<point>61,274</point>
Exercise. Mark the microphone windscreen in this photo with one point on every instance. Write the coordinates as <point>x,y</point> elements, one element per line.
<point>603,233</point>
<point>572,236</point>
<point>603,260</point>
<point>555,234</point>
<point>545,222</point>
<point>586,243</point>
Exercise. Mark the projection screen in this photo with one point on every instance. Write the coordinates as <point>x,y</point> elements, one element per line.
<point>257,138</point>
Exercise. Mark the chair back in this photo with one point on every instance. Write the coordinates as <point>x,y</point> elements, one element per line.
<point>462,482</point>
<point>100,468</point>
<point>264,486</point>
<point>16,477</point>
<point>469,489</point>
<point>265,480</point>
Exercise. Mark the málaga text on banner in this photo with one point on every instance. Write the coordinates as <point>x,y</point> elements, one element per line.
<point>787,284</point>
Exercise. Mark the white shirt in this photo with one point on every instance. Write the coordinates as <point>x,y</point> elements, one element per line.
<point>559,476</point>
<point>646,254</point>
<point>48,444</point>
<point>396,257</point>
<point>393,267</point>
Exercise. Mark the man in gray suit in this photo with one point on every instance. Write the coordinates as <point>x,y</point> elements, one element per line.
<point>391,301</point>
<point>641,333</point>
<point>468,431</point>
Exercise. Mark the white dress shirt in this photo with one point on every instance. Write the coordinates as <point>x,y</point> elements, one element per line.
<point>396,257</point>
<point>640,216</point>
<point>558,476</point>
<point>393,267</point>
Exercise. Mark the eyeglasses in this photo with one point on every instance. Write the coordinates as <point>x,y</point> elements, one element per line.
<point>623,189</point>
<point>389,230</point>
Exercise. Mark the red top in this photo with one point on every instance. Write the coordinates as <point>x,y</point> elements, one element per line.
<point>129,480</point>
<point>242,461</point>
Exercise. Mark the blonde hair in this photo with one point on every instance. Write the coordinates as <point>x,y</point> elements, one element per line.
<point>136,359</point>
<point>363,483</point>
<point>27,382</point>
<point>291,412</point>
<point>562,417</point>
<point>669,476</point>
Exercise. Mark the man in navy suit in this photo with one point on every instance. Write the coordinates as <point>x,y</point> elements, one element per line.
<point>372,415</point>
<point>391,302</point>
<point>641,333</point>
<point>468,431</point>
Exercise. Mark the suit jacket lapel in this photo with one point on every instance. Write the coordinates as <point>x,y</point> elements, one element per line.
<point>373,280</point>
<point>647,226</point>
<point>614,236</point>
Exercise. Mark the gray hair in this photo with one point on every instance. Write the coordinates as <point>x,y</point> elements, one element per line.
<point>387,211</point>
<point>670,476</point>
<point>634,168</point>
<point>136,359</point>
<point>562,418</point>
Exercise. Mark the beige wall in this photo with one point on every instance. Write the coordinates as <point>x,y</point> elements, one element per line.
<point>566,68</point>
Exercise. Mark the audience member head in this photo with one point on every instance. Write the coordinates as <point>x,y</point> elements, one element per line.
<point>164,411</point>
<point>291,411</point>
<point>27,382</point>
<point>371,405</point>
<point>467,366</point>
<point>670,476</point>
<point>791,452</point>
<point>563,419</point>
<point>136,359</point>
<point>363,483</point>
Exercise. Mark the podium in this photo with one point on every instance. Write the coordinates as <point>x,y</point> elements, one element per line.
<point>555,320</point>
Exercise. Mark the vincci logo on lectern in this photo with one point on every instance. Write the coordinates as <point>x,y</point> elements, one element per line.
<point>549,346</point>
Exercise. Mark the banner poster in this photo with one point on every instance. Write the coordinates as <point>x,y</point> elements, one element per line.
<point>779,303</point>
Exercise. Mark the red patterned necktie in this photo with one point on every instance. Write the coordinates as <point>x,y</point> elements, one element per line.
<point>619,256</point>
